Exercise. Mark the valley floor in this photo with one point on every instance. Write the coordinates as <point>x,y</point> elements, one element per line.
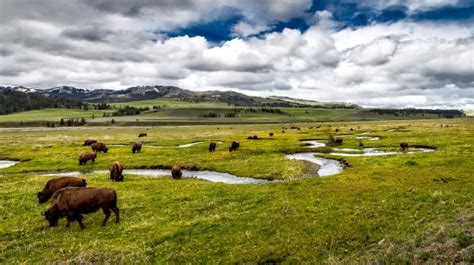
<point>395,208</point>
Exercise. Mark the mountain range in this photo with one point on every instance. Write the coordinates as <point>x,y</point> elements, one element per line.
<point>171,92</point>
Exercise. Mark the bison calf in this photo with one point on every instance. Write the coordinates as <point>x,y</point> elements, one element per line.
<point>137,147</point>
<point>58,183</point>
<point>99,147</point>
<point>116,171</point>
<point>234,146</point>
<point>71,202</point>
<point>86,156</point>
<point>176,172</point>
<point>89,142</point>
<point>212,147</point>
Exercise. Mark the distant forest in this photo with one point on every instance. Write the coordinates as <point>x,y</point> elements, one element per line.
<point>12,101</point>
<point>442,113</point>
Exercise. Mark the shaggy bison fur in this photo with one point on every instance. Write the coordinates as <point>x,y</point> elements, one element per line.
<point>234,146</point>
<point>116,171</point>
<point>58,183</point>
<point>86,156</point>
<point>212,147</point>
<point>89,142</point>
<point>176,172</point>
<point>99,147</point>
<point>137,147</point>
<point>72,202</point>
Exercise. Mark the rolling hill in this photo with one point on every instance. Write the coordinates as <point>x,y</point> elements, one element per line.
<point>137,93</point>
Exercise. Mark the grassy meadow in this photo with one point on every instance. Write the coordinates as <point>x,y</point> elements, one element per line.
<point>389,209</point>
<point>177,112</point>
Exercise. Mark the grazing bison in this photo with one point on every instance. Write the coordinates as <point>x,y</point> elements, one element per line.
<point>86,156</point>
<point>338,141</point>
<point>99,147</point>
<point>234,146</point>
<point>252,137</point>
<point>89,142</point>
<point>137,147</point>
<point>271,134</point>
<point>142,135</point>
<point>58,183</point>
<point>212,147</point>
<point>176,172</point>
<point>71,202</point>
<point>116,171</point>
<point>404,146</point>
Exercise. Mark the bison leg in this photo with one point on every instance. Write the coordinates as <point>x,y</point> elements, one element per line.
<point>107,215</point>
<point>69,219</point>
<point>78,218</point>
<point>117,213</point>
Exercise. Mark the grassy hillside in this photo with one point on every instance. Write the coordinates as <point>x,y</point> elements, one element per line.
<point>387,209</point>
<point>173,111</point>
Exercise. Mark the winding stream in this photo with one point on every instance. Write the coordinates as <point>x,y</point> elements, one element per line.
<point>7,163</point>
<point>328,167</point>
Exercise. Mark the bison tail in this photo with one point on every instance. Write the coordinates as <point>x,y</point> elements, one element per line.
<point>114,202</point>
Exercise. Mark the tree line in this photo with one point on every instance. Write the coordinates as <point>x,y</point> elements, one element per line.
<point>442,113</point>
<point>12,101</point>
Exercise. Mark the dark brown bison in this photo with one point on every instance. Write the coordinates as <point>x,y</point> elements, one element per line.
<point>252,137</point>
<point>99,147</point>
<point>404,146</point>
<point>86,156</point>
<point>234,146</point>
<point>142,135</point>
<point>137,147</point>
<point>212,147</point>
<point>116,171</point>
<point>71,202</point>
<point>58,183</point>
<point>338,141</point>
<point>176,172</point>
<point>89,142</point>
<point>271,134</point>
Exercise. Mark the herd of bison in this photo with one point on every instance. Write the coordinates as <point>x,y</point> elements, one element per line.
<point>71,198</point>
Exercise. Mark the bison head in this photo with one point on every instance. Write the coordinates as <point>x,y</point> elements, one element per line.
<point>106,149</point>
<point>42,197</point>
<point>51,217</point>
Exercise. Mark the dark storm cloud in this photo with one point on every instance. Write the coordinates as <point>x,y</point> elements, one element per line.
<point>134,8</point>
<point>89,34</point>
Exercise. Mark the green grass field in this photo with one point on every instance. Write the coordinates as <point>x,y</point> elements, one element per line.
<point>386,209</point>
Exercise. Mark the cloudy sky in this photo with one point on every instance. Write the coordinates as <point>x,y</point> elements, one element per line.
<point>384,53</point>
